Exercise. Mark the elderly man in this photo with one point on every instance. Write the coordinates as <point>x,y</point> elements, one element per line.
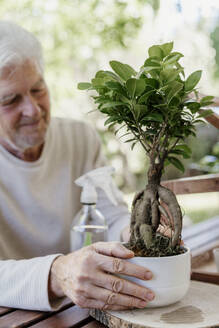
<point>40,157</point>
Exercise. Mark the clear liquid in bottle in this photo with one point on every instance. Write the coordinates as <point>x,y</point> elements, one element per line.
<point>89,228</point>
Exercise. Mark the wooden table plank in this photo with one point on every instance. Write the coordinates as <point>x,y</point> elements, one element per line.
<point>204,276</point>
<point>213,119</point>
<point>24,318</point>
<point>209,266</point>
<point>21,318</point>
<point>197,184</point>
<point>5,310</point>
<point>71,317</point>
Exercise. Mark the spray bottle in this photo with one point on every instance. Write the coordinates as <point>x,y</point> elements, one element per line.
<point>89,225</point>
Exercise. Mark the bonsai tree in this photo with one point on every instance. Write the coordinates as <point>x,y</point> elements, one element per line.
<point>155,106</point>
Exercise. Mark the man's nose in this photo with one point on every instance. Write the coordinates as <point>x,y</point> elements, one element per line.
<point>30,107</point>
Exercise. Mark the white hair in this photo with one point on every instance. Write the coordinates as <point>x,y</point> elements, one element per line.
<point>17,46</point>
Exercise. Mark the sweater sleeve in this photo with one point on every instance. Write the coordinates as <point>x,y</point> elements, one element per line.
<point>24,284</point>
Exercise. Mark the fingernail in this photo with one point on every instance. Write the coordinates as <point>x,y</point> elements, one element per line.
<point>150,296</point>
<point>142,304</point>
<point>129,251</point>
<point>148,275</point>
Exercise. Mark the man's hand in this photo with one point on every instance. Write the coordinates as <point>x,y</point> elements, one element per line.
<point>87,277</point>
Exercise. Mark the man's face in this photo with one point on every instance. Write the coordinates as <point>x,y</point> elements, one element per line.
<point>24,107</point>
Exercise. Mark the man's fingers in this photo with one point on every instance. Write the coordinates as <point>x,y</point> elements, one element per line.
<point>95,304</point>
<point>165,231</point>
<point>110,298</point>
<point>119,266</point>
<point>115,307</point>
<point>118,285</point>
<point>113,249</point>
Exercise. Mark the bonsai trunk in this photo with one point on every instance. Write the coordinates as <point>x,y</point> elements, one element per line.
<point>147,208</point>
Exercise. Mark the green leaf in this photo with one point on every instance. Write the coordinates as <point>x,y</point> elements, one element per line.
<point>113,85</point>
<point>112,104</point>
<point>129,140</point>
<point>184,147</point>
<point>180,153</point>
<point>84,85</point>
<point>150,68</point>
<point>206,112</point>
<point>181,69</point>
<point>108,74</point>
<point>183,150</point>
<point>175,101</point>
<point>102,99</point>
<point>205,101</point>
<point>167,48</point>
<point>151,63</point>
<point>156,51</point>
<point>121,127</point>
<point>102,74</point>
<point>153,117</point>
<point>125,100</point>
<point>172,58</point>
<point>168,75</point>
<point>193,106</point>
<point>123,135</point>
<point>107,111</point>
<point>145,96</point>
<point>152,83</point>
<point>98,82</point>
<point>174,88</point>
<point>177,163</point>
<point>200,121</point>
<point>135,87</point>
<point>117,87</point>
<point>133,145</point>
<point>140,109</point>
<point>166,162</point>
<point>192,80</point>
<point>161,106</point>
<point>112,125</point>
<point>110,120</point>
<point>123,70</point>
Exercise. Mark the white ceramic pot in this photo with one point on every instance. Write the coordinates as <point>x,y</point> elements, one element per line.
<point>171,277</point>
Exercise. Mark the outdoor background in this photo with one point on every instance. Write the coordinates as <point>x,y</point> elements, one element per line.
<point>80,37</point>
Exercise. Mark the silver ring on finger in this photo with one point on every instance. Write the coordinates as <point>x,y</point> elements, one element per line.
<point>109,301</point>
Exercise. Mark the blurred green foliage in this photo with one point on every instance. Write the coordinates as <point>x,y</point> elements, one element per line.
<point>75,36</point>
<point>215,42</point>
<point>74,31</point>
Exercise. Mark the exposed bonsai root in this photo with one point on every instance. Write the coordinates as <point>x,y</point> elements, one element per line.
<point>146,234</point>
<point>145,219</point>
<point>168,197</point>
<point>165,214</point>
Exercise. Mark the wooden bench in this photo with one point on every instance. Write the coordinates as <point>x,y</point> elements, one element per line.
<point>203,237</point>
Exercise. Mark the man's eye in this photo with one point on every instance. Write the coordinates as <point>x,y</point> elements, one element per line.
<point>38,90</point>
<point>10,101</point>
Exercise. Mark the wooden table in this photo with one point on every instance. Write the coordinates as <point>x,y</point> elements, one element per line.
<point>69,316</point>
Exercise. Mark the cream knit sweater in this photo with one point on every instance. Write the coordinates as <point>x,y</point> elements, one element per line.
<point>38,201</point>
